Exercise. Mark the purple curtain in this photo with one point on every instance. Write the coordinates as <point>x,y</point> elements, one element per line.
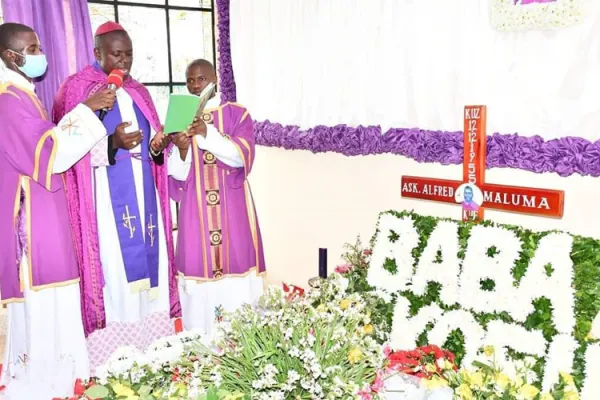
<point>65,33</point>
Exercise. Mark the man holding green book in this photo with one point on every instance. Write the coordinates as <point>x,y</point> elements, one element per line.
<point>219,248</point>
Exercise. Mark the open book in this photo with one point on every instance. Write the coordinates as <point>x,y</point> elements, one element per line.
<point>184,107</point>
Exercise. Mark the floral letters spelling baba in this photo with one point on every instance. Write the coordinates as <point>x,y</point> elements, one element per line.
<point>490,256</point>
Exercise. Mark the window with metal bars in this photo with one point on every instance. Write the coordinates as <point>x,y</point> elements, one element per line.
<point>166,35</point>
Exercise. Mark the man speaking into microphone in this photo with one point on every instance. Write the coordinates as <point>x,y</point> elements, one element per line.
<point>119,208</point>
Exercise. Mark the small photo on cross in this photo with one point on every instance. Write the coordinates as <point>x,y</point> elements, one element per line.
<point>470,196</point>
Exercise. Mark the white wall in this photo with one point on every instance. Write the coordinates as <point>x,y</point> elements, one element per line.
<point>401,64</point>
<point>306,201</point>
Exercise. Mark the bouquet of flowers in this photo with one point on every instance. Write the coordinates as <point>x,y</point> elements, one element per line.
<point>322,345</point>
<point>318,346</point>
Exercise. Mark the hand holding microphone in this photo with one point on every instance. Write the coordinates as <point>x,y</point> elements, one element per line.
<point>115,81</point>
<point>104,99</point>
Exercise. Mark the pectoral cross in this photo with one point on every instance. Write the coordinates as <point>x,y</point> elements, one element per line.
<point>151,231</point>
<point>127,221</point>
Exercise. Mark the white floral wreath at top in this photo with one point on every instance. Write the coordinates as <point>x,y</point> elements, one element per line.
<point>511,15</point>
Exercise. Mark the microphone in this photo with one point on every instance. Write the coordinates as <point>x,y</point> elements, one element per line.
<point>115,80</point>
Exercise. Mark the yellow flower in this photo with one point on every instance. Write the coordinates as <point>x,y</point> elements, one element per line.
<point>345,303</point>
<point>519,381</point>
<point>448,365</point>
<point>568,378</point>
<point>489,351</point>
<point>502,380</point>
<point>570,395</point>
<point>433,383</point>
<point>430,368</point>
<point>546,396</point>
<point>476,379</point>
<point>124,391</point>
<point>438,382</point>
<point>528,392</point>
<point>464,392</point>
<point>368,329</point>
<point>355,355</point>
<point>321,308</point>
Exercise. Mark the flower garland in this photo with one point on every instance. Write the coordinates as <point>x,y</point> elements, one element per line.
<point>226,78</point>
<point>526,293</point>
<point>520,15</point>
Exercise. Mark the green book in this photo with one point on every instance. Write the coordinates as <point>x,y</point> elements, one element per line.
<point>183,108</point>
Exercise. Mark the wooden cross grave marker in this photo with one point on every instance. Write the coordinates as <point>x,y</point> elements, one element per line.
<point>542,202</point>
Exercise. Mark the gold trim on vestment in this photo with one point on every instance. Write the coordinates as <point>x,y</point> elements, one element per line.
<point>4,89</point>
<point>38,153</point>
<point>36,101</point>
<point>50,169</point>
<point>13,300</point>
<point>199,198</point>
<point>203,280</point>
<point>226,230</point>
<point>213,209</point>
<point>244,116</point>
<point>247,146</point>
<point>55,285</point>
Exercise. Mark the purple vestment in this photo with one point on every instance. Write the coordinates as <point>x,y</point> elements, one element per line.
<point>28,149</point>
<point>218,232</point>
<point>470,206</point>
<point>81,204</point>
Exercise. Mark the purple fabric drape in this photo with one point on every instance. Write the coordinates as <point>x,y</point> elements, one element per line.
<point>65,33</point>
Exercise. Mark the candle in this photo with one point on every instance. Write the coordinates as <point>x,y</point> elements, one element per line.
<point>323,263</point>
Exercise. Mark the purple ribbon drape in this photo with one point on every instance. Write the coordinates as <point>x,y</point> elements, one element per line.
<point>65,32</point>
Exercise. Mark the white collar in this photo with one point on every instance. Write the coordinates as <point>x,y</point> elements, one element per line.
<point>214,102</point>
<point>8,76</point>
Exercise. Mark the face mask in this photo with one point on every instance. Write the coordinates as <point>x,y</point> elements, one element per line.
<point>35,65</point>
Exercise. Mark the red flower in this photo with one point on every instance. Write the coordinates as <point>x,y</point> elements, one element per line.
<point>175,376</point>
<point>79,388</point>
<point>412,362</point>
<point>343,269</point>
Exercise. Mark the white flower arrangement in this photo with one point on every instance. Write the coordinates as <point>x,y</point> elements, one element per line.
<point>490,257</point>
<point>591,387</point>
<point>320,346</point>
<point>520,15</point>
<point>444,241</point>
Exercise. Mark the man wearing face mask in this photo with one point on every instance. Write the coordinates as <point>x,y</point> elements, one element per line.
<point>219,247</point>
<point>120,209</point>
<point>45,343</point>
